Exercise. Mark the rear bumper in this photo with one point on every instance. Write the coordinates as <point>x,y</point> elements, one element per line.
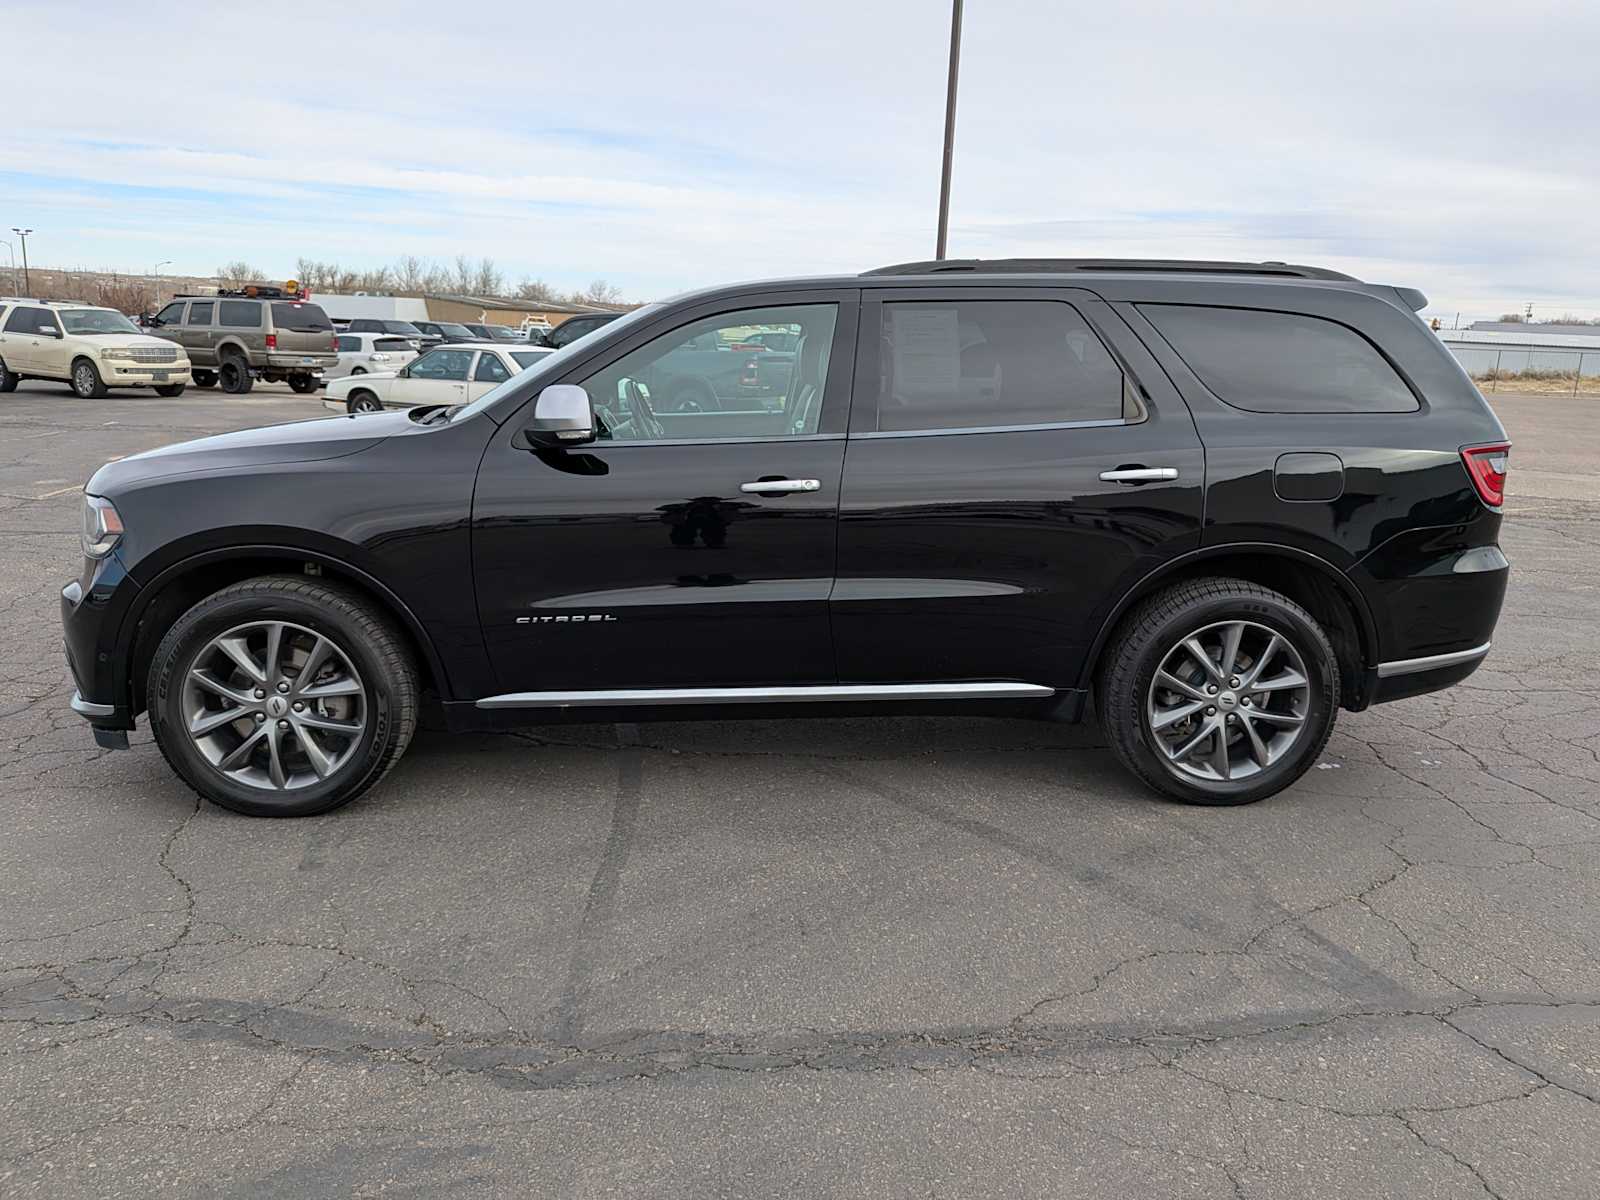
<point>298,363</point>
<point>1400,678</point>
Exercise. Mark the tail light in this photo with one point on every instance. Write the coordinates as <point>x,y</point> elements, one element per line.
<point>272,341</point>
<point>751,373</point>
<point>333,342</point>
<point>1486,467</point>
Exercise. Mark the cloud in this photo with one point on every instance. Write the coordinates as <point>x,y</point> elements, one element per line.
<point>664,147</point>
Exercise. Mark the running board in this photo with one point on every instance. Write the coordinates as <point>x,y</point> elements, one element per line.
<point>645,697</point>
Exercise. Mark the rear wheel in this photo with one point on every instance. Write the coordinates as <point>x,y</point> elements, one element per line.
<point>363,401</point>
<point>205,379</point>
<point>235,376</point>
<point>282,697</point>
<point>86,381</point>
<point>1219,691</point>
<point>694,396</point>
<point>8,378</point>
<point>170,390</point>
<point>358,370</point>
<point>302,384</point>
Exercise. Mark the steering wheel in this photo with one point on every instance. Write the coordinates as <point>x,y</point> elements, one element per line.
<point>644,417</point>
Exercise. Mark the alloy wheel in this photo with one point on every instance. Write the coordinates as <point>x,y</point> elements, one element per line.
<point>83,380</point>
<point>1228,701</point>
<point>274,705</point>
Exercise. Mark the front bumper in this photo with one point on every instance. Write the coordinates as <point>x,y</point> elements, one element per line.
<point>92,609</point>
<point>137,374</point>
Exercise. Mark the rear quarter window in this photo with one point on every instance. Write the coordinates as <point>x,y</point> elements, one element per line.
<point>302,318</point>
<point>1277,362</point>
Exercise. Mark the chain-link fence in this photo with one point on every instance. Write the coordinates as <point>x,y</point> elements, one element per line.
<point>1532,369</point>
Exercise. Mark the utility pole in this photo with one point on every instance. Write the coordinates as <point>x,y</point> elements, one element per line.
<point>12,251</point>
<point>949,128</point>
<point>165,262</point>
<point>27,280</point>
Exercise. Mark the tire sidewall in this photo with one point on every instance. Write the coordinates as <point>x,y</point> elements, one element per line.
<point>357,401</point>
<point>8,381</point>
<point>175,657</point>
<point>94,375</point>
<point>1321,669</point>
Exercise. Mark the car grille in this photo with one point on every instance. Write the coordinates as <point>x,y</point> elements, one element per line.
<point>154,354</point>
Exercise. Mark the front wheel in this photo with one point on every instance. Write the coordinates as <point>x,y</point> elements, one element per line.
<point>169,390</point>
<point>302,384</point>
<point>282,697</point>
<point>86,381</point>
<point>361,402</point>
<point>1219,691</point>
<point>205,379</point>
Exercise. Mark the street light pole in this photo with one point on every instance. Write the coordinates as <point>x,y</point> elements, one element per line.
<point>949,128</point>
<point>27,280</point>
<point>12,250</point>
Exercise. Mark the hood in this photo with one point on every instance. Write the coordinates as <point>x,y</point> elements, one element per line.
<point>298,441</point>
<point>119,340</point>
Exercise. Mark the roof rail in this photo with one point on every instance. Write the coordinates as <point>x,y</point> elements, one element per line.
<point>1057,266</point>
<point>46,303</point>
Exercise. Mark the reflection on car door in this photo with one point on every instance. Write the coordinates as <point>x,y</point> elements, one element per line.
<point>694,551</point>
<point>983,533</point>
<point>19,337</point>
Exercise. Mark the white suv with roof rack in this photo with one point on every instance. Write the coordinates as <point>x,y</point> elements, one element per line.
<point>91,348</point>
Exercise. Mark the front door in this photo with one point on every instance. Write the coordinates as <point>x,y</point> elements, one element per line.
<point>682,549</point>
<point>1016,461</point>
<point>438,377</point>
<point>199,336</point>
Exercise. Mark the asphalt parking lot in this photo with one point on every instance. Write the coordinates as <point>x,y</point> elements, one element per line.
<point>948,958</point>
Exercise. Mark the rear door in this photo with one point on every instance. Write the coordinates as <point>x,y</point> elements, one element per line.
<point>1016,461</point>
<point>18,339</point>
<point>302,329</point>
<point>488,373</point>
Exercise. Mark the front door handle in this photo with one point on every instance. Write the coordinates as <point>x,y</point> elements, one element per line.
<point>775,487</point>
<point>1138,474</point>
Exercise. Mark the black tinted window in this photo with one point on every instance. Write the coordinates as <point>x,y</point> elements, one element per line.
<point>172,314</point>
<point>200,314</point>
<point>349,344</point>
<point>390,343</point>
<point>302,318</point>
<point>239,314</point>
<point>1281,362</point>
<point>21,320</point>
<point>973,364</point>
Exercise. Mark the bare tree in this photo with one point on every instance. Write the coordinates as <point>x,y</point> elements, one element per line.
<point>535,289</point>
<point>598,292</point>
<point>409,273</point>
<point>239,272</point>
<point>1511,318</point>
<point>464,275</point>
<point>487,280</point>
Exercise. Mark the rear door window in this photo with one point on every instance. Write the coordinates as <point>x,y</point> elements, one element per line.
<point>239,314</point>
<point>1280,362</point>
<point>21,320</point>
<point>995,364</point>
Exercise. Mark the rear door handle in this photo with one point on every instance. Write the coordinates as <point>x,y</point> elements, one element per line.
<point>774,487</point>
<point>1138,474</point>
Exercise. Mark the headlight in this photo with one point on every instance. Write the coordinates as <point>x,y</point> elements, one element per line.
<point>123,355</point>
<point>102,527</point>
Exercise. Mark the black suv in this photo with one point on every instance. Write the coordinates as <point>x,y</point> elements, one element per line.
<point>1210,502</point>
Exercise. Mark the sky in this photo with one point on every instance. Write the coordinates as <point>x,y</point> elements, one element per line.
<point>1451,147</point>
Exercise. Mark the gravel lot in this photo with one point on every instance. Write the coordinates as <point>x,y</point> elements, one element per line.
<point>950,958</point>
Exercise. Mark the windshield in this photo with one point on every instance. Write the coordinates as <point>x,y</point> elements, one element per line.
<point>95,320</point>
<point>548,365</point>
<point>451,329</point>
<point>405,328</point>
<point>502,333</point>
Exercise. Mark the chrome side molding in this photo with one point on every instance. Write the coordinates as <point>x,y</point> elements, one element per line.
<point>1414,666</point>
<point>630,697</point>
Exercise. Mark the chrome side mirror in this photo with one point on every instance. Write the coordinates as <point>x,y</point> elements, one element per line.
<point>562,416</point>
